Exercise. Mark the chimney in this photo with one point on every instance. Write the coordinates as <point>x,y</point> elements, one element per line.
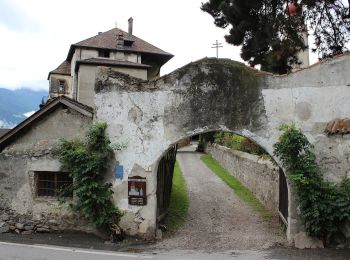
<point>99,33</point>
<point>130,25</point>
<point>42,103</point>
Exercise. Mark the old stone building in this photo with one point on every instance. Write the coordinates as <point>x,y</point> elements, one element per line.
<point>122,52</point>
<point>106,79</point>
<point>29,172</point>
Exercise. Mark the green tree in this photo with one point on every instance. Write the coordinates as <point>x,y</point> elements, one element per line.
<point>272,37</point>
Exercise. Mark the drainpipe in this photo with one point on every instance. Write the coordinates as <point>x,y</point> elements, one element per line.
<point>75,79</point>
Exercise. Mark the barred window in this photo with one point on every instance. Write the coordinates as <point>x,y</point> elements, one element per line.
<point>104,53</point>
<point>61,87</point>
<point>49,184</point>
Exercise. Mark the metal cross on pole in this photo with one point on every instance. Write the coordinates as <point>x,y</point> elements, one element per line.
<point>217,45</point>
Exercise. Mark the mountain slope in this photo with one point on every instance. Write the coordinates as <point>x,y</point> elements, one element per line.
<point>17,105</point>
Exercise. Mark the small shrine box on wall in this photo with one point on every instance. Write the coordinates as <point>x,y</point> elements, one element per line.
<point>137,191</point>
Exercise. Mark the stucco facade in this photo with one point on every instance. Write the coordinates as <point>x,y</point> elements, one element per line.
<point>86,81</point>
<point>30,153</point>
<point>55,85</point>
<point>211,95</point>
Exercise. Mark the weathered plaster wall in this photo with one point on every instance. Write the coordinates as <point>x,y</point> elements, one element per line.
<point>132,57</point>
<point>31,152</point>
<point>258,175</point>
<point>87,54</point>
<point>85,91</point>
<point>154,71</point>
<point>140,73</point>
<point>126,56</point>
<point>55,82</point>
<point>86,80</point>
<point>43,135</point>
<point>82,54</point>
<point>214,94</point>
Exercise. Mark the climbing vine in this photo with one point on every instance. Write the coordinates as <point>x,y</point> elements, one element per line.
<point>324,206</point>
<point>87,163</point>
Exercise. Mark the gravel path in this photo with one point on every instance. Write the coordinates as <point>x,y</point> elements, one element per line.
<point>217,218</point>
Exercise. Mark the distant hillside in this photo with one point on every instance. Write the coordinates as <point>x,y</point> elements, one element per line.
<point>17,105</point>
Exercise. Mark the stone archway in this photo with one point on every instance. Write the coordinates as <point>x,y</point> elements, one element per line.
<point>282,198</point>
<point>215,94</point>
<point>217,218</point>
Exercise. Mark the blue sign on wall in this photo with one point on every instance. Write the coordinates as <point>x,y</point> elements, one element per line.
<point>119,171</point>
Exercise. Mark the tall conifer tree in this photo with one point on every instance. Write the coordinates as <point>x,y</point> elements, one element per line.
<point>272,37</point>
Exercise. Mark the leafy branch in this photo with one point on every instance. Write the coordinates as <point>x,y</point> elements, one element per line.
<point>324,206</point>
<point>87,163</point>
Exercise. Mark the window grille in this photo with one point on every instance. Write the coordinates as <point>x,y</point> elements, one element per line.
<point>104,53</point>
<point>49,184</point>
<point>61,88</point>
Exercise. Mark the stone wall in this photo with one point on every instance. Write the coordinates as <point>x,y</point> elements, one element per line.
<point>150,116</point>
<point>21,210</point>
<point>258,175</point>
<point>217,94</point>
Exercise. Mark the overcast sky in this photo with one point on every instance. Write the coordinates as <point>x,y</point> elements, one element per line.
<point>36,35</point>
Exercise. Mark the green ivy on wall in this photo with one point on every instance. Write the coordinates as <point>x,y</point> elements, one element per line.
<point>324,206</point>
<point>87,162</point>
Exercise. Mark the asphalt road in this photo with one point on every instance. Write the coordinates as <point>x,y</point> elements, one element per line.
<point>12,251</point>
<point>44,252</point>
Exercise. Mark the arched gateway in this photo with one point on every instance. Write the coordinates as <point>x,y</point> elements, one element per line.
<point>210,95</point>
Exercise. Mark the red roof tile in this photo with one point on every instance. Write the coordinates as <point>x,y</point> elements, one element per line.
<point>108,40</point>
<point>12,134</point>
<point>110,62</point>
<point>63,69</point>
<point>3,131</point>
<point>338,126</point>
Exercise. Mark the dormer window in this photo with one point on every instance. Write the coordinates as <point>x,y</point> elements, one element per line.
<point>120,39</point>
<point>128,42</point>
<point>103,53</point>
<point>61,88</point>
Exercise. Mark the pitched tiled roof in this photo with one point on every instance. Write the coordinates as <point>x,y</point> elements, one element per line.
<point>50,106</point>
<point>108,40</point>
<point>338,126</point>
<point>3,131</point>
<point>63,69</point>
<point>109,62</point>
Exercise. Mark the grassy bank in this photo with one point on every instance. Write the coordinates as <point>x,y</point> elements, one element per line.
<point>241,191</point>
<point>179,203</point>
